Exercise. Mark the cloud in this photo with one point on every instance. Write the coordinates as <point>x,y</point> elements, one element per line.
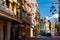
<point>54,18</point>
<point>47,17</point>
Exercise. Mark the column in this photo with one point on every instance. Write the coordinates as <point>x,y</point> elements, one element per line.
<point>10,7</point>
<point>1,30</point>
<point>31,32</point>
<point>8,29</point>
<point>14,9</point>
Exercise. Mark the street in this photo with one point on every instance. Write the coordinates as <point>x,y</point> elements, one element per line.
<point>29,19</point>
<point>45,38</point>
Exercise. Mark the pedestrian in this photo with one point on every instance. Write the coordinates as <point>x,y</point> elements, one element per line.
<point>23,36</point>
<point>19,37</point>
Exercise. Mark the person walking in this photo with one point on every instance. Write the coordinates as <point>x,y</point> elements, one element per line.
<point>23,36</point>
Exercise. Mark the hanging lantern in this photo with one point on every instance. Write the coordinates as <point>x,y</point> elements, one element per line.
<point>52,13</point>
<point>52,8</point>
<point>55,10</point>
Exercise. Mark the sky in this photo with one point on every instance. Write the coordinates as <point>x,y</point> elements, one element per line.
<point>45,6</point>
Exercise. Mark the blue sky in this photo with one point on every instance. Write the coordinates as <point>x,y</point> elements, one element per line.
<point>44,7</point>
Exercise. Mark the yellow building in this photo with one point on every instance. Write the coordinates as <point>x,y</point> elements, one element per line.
<point>26,17</point>
<point>9,19</point>
<point>15,18</point>
<point>37,19</point>
<point>31,13</point>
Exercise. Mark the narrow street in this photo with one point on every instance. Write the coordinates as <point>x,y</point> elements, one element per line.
<point>45,38</point>
<point>29,19</point>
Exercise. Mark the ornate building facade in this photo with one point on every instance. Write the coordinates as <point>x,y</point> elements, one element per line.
<point>9,19</point>
<point>16,17</point>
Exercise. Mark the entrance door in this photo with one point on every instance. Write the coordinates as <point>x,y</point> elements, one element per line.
<point>14,32</point>
<point>11,33</point>
<point>3,32</point>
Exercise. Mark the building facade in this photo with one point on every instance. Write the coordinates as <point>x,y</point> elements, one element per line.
<point>59,10</point>
<point>46,25</point>
<point>9,19</point>
<point>53,28</point>
<point>16,17</point>
<point>49,27</point>
<point>35,17</point>
<point>41,24</point>
<point>29,9</point>
<point>58,27</point>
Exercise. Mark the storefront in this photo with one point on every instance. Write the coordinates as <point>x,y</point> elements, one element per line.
<point>15,31</point>
<point>5,29</point>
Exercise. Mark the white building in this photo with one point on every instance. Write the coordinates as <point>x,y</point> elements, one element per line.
<point>52,28</point>
<point>46,25</point>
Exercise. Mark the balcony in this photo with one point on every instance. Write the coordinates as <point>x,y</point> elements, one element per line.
<point>5,13</point>
<point>26,18</point>
<point>29,19</point>
<point>27,9</point>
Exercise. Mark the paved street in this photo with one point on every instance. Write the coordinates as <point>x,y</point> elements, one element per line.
<point>45,38</point>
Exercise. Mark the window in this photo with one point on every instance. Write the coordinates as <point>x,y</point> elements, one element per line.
<point>7,3</point>
<point>19,12</point>
<point>17,15</point>
<point>2,2</point>
<point>12,7</point>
